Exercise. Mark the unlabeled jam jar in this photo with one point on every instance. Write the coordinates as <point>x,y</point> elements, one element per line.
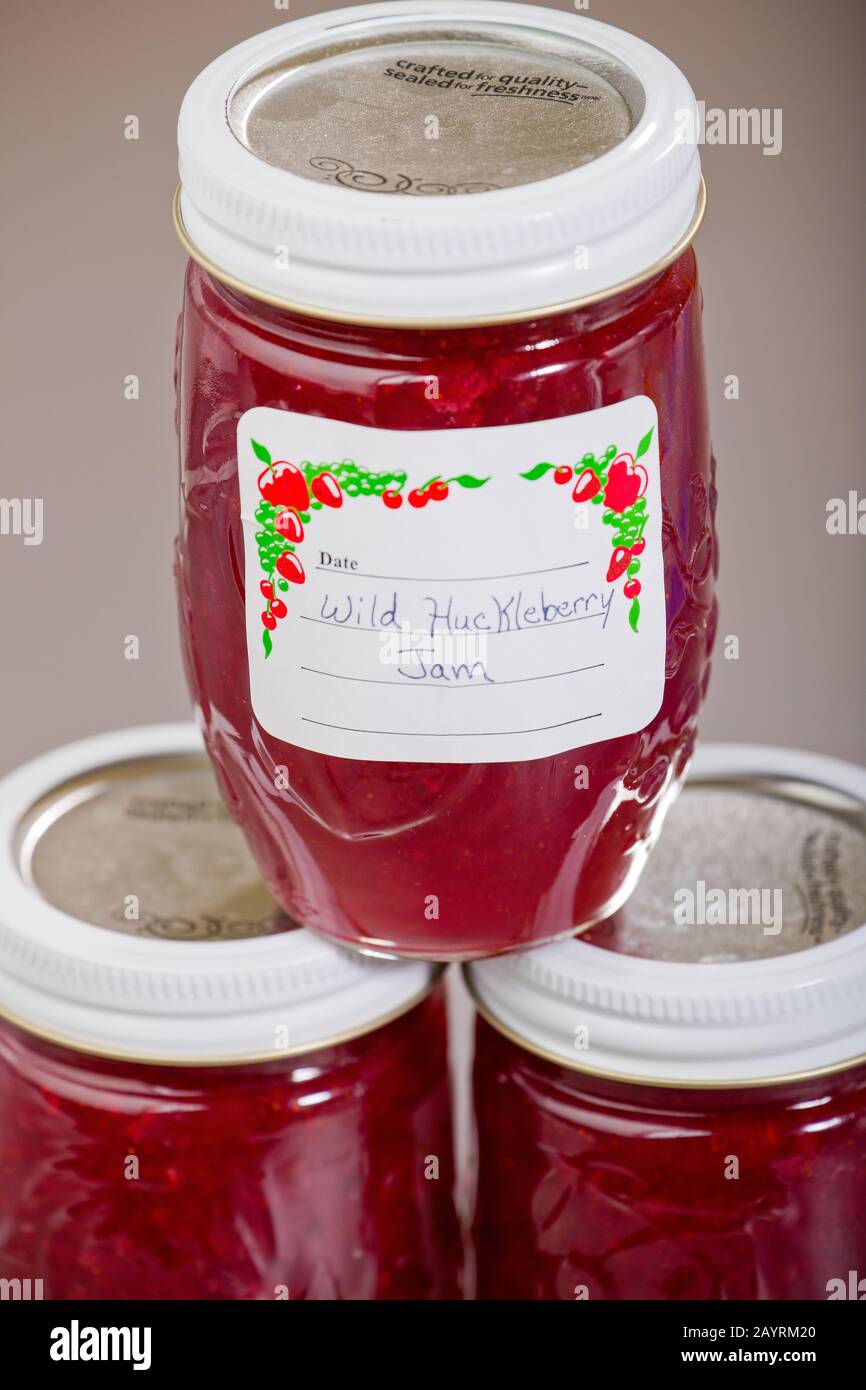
<point>674,1106</point>
<point>446,556</point>
<point>198,1100</point>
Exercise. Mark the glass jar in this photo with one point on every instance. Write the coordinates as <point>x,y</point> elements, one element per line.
<point>198,1100</point>
<point>674,1107</point>
<point>446,557</point>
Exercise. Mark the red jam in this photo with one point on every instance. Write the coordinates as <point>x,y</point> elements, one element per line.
<point>513,854</point>
<point>309,1178</point>
<point>606,1190</point>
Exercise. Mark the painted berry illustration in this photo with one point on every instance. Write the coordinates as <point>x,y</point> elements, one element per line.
<point>617,482</point>
<point>587,486</point>
<point>290,494</point>
<point>619,563</point>
<point>436,490</point>
<point>290,567</point>
<point>284,485</point>
<point>289,525</point>
<point>625,483</point>
<point>326,490</point>
<point>284,498</point>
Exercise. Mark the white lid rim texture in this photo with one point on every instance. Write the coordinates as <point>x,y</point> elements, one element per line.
<point>461,258</point>
<point>714,1025</point>
<point>173,1002</point>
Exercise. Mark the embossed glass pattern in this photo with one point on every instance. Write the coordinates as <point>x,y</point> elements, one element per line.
<point>306,1178</point>
<point>605,1190</point>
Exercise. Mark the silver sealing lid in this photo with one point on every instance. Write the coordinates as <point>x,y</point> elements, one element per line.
<point>741,957</point>
<point>467,108</point>
<point>438,162</point>
<point>147,847</point>
<point>746,869</point>
<point>133,921</point>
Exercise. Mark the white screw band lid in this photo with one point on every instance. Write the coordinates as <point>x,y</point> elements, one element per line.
<point>715,1023</point>
<point>418,254</point>
<point>162,1000</point>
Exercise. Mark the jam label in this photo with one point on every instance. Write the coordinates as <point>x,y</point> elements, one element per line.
<point>459,596</point>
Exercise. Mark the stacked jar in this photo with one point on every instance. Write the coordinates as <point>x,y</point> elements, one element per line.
<point>198,1098</point>
<point>674,1106</point>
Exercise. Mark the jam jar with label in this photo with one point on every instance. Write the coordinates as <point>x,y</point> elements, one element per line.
<point>199,1100</point>
<point>446,555</point>
<point>674,1105</point>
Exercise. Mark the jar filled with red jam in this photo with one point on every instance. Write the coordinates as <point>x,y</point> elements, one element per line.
<point>674,1106</point>
<point>199,1100</point>
<point>446,555</point>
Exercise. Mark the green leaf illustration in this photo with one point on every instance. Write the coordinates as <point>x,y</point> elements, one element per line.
<point>266,642</point>
<point>467,480</point>
<point>538,472</point>
<point>645,443</point>
<point>260,451</point>
<point>634,614</point>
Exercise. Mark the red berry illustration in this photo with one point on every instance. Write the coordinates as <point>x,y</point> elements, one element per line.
<point>267,589</point>
<point>632,588</point>
<point>639,547</point>
<point>326,489</point>
<point>626,482</point>
<point>418,498</point>
<point>586,487</point>
<point>284,485</point>
<point>288,524</point>
<point>438,491</point>
<point>278,608</point>
<point>392,499</point>
<point>291,568</point>
<point>619,562</point>
<point>562,475</point>
<point>269,621</point>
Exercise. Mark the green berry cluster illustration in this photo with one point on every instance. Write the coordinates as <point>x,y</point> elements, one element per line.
<point>354,480</point>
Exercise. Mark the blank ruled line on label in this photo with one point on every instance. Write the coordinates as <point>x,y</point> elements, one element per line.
<point>461,632</point>
<point>448,578</point>
<point>471,733</point>
<point>438,685</point>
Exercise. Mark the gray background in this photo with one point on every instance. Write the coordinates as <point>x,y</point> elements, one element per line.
<point>91,283</point>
